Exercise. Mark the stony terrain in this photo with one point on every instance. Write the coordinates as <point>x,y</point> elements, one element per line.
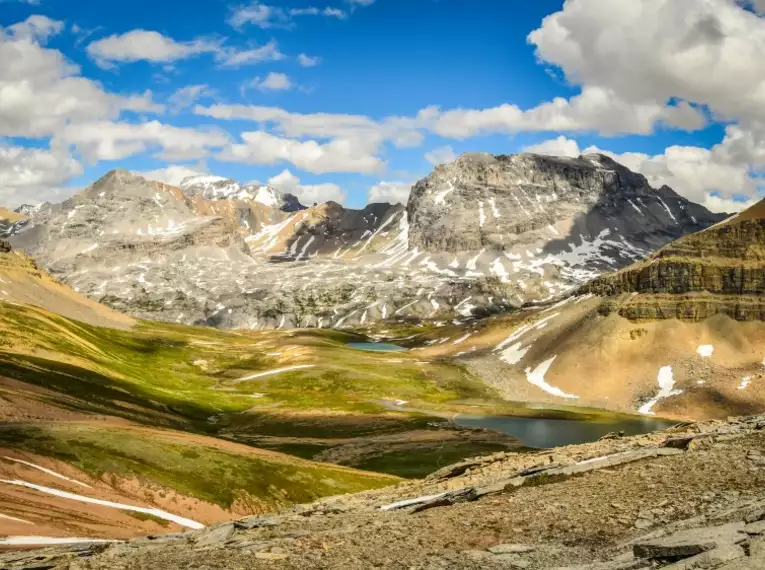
<point>479,236</point>
<point>655,501</point>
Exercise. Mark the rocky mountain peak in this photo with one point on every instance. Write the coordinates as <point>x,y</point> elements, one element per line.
<point>218,188</point>
<point>26,209</point>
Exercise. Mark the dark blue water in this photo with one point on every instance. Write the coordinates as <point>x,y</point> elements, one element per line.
<point>544,433</point>
<point>376,347</point>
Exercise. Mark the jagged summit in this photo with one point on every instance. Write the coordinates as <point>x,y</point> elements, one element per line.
<point>219,188</point>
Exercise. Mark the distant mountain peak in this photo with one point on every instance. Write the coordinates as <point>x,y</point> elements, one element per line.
<point>219,188</point>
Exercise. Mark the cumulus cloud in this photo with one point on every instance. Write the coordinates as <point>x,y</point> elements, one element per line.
<point>338,155</point>
<point>364,133</point>
<point>172,174</point>
<point>115,141</point>
<point>595,109</point>
<point>308,194</point>
<point>35,28</point>
<point>441,155</point>
<point>185,97</point>
<point>313,11</point>
<point>146,45</point>
<point>390,192</point>
<point>34,175</point>
<point>41,91</point>
<point>561,146</point>
<point>237,58</point>
<point>708,53</point>
<point>260,15</point>
<point>308,61</point>
<point>267,17</point>
<point>271,82</point>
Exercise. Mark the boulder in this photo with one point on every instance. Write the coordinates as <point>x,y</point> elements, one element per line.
<point>692,542</point>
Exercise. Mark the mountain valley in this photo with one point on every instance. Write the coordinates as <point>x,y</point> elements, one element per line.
<point>175,357</point>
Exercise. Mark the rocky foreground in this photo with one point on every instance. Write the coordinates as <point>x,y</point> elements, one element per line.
<point>689,497</point>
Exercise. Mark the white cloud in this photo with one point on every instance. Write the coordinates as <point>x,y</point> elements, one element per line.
<point>272,82</point>
<point>308,61</point>
<point>260,15</point>
<point>172,174</point>
<point>266,17</point>
<point>235,58</point>
<point>36,28</point>
<point>595,109</point>
<point>338,155</point>
<point>561,146</point>
<point>441,155</point>
<point>366,133</point>
<point>185,97</point>
<point>146,45</point>
<point>33,175</point>
<point>708,52</point>
<point>116,141</point>
<point>313,11</point>
<point>41,91</point>
<point>390,192</point>
<point>308,194</point>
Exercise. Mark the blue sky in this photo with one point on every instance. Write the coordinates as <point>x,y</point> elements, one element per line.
<point>448,70</point>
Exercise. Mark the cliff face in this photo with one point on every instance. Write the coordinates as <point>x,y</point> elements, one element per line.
<point>719,270</point>
<point>498,202</point>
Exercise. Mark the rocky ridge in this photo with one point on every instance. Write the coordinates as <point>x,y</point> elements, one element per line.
<point>12,221</point>
<point>717,271</point>
<point>652,501</point>
<point>480,236</point>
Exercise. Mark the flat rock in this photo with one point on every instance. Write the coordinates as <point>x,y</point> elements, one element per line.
<point>511,549</point>
<point>690,542</point>
<point>709,559</point>
<point>217,535</point>
<point>271,556</point>
<point>250,523</point>
<point>755,528</point>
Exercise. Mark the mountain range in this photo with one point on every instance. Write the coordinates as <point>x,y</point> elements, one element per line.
<point>479,236</point>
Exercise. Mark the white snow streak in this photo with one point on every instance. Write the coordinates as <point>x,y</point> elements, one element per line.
<point>537,377</point>
<point>47,541</point>
<point>45,470</point>
<point>121,506</point>
<point>705,350</point>
<point>666,389</point>
<point>10,518</point>
<point>667,208</point>
<point>270,372</point>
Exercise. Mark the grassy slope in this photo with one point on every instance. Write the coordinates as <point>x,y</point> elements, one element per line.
<point>222,475</point>
<point>183,378</point>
